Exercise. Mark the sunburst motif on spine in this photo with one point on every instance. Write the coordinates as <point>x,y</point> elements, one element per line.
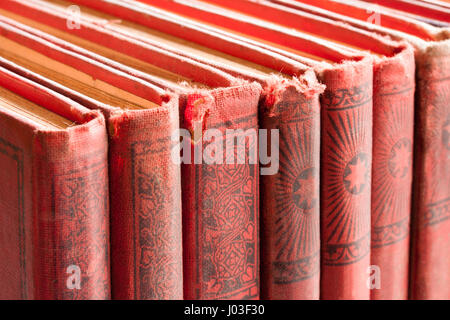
<point>346,180</point>
<point>297,204</point>
<point>435,186</point>
<point>391,193</point>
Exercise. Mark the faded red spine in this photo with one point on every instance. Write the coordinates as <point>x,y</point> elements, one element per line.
<point>63,210</point>
<point>430,276</point>
<point>393,130</point>
<point>71,215</point>
<point>290,207</point>
<point>346,180</point>
<point>221,202</point>
<point>145,205</point>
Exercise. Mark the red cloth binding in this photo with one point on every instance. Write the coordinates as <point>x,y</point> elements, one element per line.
<point>56,209</point>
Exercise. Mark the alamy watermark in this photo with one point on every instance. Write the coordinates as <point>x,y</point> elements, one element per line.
<point>74,279</point>
<point>374,280</point>
<point>74,17</point>
<point>229,147</point>
<point>375,14</point>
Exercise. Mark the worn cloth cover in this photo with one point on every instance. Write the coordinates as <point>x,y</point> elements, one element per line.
<point>54,204</point>
<point>145,187</point>
<point>392,173</point>
<point>346,163</point>
<point>290,205</point>
<point>221,201</point>
<point>146,223</point>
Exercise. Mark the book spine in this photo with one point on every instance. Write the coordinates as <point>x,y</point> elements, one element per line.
<point>146,241</point>
<point>71,213</point>
<point>430,276</point>
<point>393,134</point>
<point>346,180</point>
<point>221,201</point>
<point>290,206</point>
<point>16,218</point>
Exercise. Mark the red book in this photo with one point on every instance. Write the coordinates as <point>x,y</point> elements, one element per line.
<point>345,83</point>
<point>345,184</point>
<point>55,206</point>
<point>212,268</point>
<point>430,252</point>
<point>145,183</point>
<point>290,199</point>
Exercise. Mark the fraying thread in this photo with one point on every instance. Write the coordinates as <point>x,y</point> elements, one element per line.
<point>196,113</point>
<point>276,88</point>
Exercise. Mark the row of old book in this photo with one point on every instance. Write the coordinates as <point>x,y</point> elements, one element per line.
<point>96,202</point>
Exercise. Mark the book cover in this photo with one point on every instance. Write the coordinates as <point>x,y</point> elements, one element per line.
<point>145,187</point>
<point>55,208</point>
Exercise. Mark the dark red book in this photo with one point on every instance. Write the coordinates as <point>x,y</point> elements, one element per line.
<point>54,226</point>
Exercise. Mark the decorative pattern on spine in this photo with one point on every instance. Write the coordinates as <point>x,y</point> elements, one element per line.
<point>158,226</point>
<point>430,277</point>
<point>290,199</point>
<point>146,205</point>
<point>71,255</point>
<point>221,203</point>
<point>346,181</point>
<point>80,195</point>
<point>393,132</point>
